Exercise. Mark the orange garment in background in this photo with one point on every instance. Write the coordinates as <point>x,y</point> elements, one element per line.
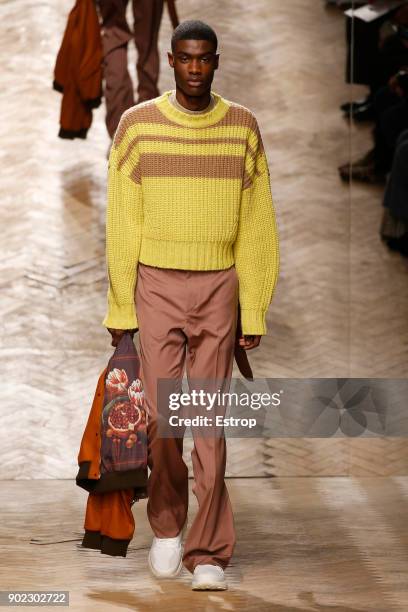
<point>78,70</point>
<point>109,524</point>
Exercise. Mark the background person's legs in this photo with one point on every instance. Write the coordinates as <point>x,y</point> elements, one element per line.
<point>394,223</point>
<point>147,19</point>
<point>118,85</point>
<point>396,192</point>
<point>389,126</point>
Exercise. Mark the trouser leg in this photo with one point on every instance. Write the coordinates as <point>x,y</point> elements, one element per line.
<point>147,19</point>
<point>118,86</point>
<point>162,355</point>
<point>211,338</point>
<point>197,311</point>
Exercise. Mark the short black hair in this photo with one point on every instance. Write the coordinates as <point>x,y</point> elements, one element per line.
<point>193,29</point>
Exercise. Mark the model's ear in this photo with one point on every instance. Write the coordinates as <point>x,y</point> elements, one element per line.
<point>170,58</point>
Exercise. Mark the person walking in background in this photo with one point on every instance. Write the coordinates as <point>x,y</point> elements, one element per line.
<point>116,34</point>
<point>191,236</point>
<point>394,222</point>
<point>391,110</point>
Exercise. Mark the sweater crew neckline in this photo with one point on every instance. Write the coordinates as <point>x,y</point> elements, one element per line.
<point>173,100</point>
<point>215,114</point>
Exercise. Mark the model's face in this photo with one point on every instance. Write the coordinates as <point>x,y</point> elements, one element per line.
<point>194,62</point>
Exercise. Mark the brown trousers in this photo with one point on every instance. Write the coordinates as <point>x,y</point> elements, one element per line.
<point>118,89</point>
<point>188,318</point>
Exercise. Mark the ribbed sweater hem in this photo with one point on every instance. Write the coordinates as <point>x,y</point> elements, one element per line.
<point>186,255</point>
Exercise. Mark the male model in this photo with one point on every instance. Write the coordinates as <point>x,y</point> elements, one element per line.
<point>190,231</point>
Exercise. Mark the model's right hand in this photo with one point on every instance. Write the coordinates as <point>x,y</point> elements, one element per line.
<point>118,333</point>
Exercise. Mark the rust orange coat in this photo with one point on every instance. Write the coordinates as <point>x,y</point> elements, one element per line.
<point>78,70</point>
<point>109,524</point>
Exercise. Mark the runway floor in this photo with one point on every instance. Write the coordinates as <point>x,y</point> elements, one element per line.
<point>327,544</point>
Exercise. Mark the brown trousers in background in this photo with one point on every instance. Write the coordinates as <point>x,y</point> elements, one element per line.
<point>118,90</point>
<point>188,318</point>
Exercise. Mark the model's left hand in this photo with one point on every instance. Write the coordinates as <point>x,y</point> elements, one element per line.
<point>249,342</point>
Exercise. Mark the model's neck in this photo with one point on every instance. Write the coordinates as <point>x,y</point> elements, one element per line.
<point>173,100</point>
<point>189,118</point>
<point>193,103</point>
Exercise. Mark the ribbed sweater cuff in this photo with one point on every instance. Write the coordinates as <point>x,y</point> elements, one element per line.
<point>253,322</point>
<point>121,316</point>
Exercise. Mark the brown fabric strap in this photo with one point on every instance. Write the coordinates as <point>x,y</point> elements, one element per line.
<point>240,353</point>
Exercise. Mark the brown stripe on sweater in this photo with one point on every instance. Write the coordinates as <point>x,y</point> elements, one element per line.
<point>163,138</point>
<point>236,115</point>
<point>251,152</point>
<point>145,112</point>
<point>193,141</point>
<point>205,166</point>
<point>148,112</point>
<point>247,181</point>
<point>239,115</point>
<point>132,144</point>
<point>136,175</point>
<point>151,113</point>
<point>183,140</point>
<point>121,130</point>
<point>119,134</point>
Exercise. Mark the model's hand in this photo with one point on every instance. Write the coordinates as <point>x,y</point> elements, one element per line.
<point>249,342</point>
<point>118,333</point>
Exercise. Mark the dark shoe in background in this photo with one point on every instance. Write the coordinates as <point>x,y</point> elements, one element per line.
<point>363,113</point>
<point>399,244</point>
<point>364,174</point>
<point>367,159</point>
<point>360,113</point>
<point>349,106</point>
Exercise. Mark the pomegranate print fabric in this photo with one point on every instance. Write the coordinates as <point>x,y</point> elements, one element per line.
<point>124,418</point>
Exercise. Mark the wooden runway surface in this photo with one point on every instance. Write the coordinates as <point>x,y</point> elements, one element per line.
<point>310,543</point>
<point>303,544</point>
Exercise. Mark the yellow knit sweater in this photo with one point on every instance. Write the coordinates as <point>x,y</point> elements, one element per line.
<point>190,191</point>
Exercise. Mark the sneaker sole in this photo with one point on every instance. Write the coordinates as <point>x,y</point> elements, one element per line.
<point>210,586</point>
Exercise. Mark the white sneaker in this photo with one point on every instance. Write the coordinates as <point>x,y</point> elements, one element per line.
<point>165,555</point>
<point>208,577</point>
